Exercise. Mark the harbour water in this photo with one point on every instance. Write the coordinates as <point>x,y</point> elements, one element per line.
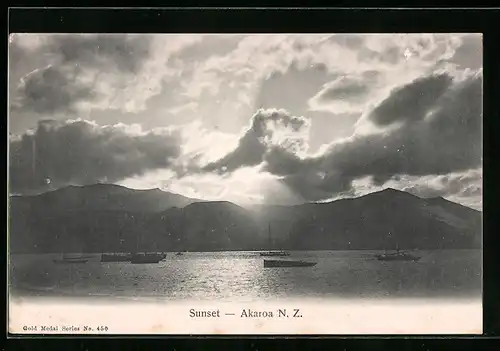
<point>241,276</point>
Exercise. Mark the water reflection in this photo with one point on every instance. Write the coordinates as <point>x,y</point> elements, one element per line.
<point>240,276</point>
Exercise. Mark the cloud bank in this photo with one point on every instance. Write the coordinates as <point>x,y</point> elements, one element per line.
<point>431,126</point>
<point>77,64</point>
<point>444,136</point>
<point>418,135</point>
<point>91,71</point>
<point>81,152</point>
<point>341,113</point>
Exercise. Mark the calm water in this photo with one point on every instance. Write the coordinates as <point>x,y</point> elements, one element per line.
<point>240,276</point>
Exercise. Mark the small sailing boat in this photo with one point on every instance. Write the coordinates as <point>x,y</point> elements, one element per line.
<point>397,256</point>
<point>273,253</point>
<point>287,263</point>
<point>146,257</point>
<point>67,259</point>
<point>282,263</point>
<point>183,232</point>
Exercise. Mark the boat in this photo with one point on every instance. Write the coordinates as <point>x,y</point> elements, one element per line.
<point>273,253</point>
<point>147,257</point>
<point>182,238</point>
<point>66,259</point>
<point>287,263</point>
<point>397,256</point>
<point>116,257</point>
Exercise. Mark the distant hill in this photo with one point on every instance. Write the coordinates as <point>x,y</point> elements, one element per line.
<point>386,220</point>
<point>104,218</point>
<point>102,197</point>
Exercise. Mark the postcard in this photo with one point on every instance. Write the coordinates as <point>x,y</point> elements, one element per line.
<point>245,184</point>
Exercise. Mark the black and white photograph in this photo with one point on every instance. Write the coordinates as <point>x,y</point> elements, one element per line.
<point>245,183</point>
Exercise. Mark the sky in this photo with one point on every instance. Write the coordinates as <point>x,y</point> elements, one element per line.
<point>271,119</point>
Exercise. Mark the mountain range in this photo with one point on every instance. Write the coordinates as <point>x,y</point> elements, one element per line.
<point>112,218</point>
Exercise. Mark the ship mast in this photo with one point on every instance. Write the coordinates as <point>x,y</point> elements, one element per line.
<point>269,233</point>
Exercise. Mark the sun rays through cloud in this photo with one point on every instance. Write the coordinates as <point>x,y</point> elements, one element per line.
<point>252,119</point>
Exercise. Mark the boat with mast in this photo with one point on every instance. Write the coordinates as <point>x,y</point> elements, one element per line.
<point>67,259</point>
<point>183,231</point>
<point>273,253</point>
<point>145,257</point>
<point>270,263</point>
<point>72,258</point>
<point>397,256</point>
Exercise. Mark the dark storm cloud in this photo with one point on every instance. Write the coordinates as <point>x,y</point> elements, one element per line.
<point>58,87</point>
<point>411,101</point>
<point>280,161</point>
<point>260,136</point>
<point>447,140</point>
<point>80,152</point>
<point>51,89</point>
<point>441,135</point>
